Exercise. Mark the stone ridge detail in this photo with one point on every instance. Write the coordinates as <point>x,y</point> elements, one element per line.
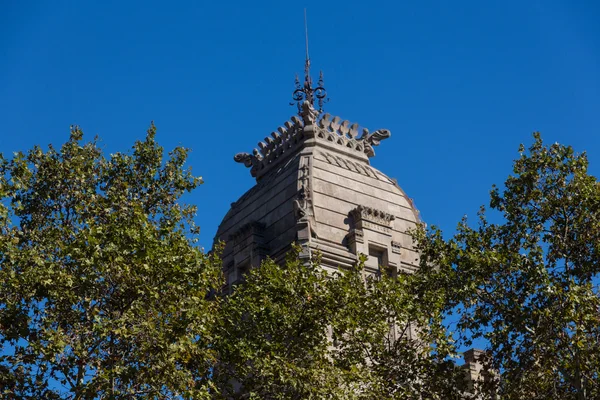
<point>349,165</point>
<point>345,134</point>
<point>272,147</point>
<point>364,213</point>
<point>296,131</point>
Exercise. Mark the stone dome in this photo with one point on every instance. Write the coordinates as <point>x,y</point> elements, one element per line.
<point>315,186</point>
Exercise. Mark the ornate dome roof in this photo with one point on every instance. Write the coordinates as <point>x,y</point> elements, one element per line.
<point>315,186</point>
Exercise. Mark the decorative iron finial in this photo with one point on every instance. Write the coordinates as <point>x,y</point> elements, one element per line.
<point>306,92</point>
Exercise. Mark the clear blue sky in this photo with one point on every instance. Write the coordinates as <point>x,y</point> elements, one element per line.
<point>459,84</point>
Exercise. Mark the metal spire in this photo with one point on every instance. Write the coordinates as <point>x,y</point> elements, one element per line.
<point>306,92</point>
<point>306,33</point>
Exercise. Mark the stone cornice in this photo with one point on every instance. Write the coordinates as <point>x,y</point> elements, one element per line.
<point>364,213</point>
<point>334,133</point>
<point>273,147</point>
<point>345,134</point>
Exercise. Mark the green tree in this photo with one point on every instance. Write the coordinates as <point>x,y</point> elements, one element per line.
<point>296,332</point>
<point>103,293</point>
<point>528,283</point>
<point>389,336</point>
<point>273,335</point>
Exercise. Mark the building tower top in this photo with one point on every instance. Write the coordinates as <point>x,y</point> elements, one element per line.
<point>315,187</point>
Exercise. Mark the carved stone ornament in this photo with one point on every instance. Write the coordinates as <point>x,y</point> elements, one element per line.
<point>308,113</point>
<point>301,205</point>
<point>364,213</point>
<point>243,158</point>
<point>273,147</point>
<point>373,139</point>
<point>342,132</point>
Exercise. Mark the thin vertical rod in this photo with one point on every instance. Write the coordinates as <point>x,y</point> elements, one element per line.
<point>306,33</point>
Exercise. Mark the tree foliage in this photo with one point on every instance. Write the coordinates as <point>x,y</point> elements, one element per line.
<point>389,335</point>
<point>298,332</point>
<point>102,292</point>
<point>528,283</point>
<point>105,294</point>
<point>277,322</point>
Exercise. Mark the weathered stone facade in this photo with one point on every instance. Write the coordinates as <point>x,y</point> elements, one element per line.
<point>315,186</point>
